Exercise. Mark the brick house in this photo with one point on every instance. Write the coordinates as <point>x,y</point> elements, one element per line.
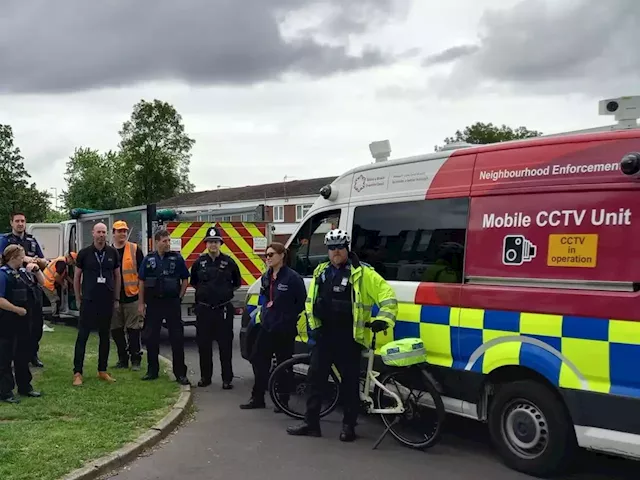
<point>283,203</point>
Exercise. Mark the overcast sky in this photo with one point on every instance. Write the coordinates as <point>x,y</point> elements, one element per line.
<point>299,88</point>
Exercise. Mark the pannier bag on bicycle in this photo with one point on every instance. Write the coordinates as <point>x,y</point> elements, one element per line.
<point>404,352</point>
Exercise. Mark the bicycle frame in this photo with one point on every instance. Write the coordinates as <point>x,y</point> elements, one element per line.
<point>372,376</point>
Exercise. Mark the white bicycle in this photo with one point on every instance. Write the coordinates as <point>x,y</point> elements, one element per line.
<point>415,421</point>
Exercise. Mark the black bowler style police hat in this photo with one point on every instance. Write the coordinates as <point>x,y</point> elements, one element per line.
<point>212,234</point>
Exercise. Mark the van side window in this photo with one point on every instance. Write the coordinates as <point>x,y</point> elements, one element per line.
<point>307,249</point>
<point>420,241</point>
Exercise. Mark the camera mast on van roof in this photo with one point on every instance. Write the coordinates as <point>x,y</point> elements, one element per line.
<point>626,110</point>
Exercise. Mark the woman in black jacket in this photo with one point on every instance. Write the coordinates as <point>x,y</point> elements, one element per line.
<point>16,303</point>
<point>282,297</point>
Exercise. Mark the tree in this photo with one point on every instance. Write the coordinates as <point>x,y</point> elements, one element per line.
<point>156,152</point>
<point>482,133</point>
<point>16,193</point>
<point>55,216</point>
<point>96,181</point>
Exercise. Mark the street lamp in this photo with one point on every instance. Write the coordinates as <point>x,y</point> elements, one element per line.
<point>55,189</point>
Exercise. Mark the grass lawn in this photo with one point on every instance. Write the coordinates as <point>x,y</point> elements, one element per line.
<point>46,438</point>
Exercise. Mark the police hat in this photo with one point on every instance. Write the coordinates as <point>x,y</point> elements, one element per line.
<point>212,234</point>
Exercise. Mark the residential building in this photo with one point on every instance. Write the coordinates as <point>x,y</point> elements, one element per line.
<point>283,203</point>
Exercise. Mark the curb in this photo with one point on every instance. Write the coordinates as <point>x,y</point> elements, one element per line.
<point>150,438</point>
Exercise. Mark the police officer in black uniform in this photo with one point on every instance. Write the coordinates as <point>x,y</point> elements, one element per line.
<point>14,326</point>
<point>215,276</point>
<point>163,281</point>
<point>33,252</point>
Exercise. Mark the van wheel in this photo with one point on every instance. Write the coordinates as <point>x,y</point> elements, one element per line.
<point>531,429</point>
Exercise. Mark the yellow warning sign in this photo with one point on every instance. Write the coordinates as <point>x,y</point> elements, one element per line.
<point>573,250</point>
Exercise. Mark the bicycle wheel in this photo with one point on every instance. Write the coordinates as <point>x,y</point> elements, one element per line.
<point>288,388</point>
<point>420,426</point>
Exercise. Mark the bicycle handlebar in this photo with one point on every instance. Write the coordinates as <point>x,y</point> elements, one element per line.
<point>373,339</point>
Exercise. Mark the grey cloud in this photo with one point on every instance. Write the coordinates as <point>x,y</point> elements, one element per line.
<point>583,46</point>
<point>450,54</point>
<point>59,47</point>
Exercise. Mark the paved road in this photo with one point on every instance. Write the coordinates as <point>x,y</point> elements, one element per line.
<point>225,442</point>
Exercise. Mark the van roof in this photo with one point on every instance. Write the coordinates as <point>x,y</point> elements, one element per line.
<point>611,132</point>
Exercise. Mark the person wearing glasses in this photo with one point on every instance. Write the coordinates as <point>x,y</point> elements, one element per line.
<point>341,295</point>
<point>282,295</point>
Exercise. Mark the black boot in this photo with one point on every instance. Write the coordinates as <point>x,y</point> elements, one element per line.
<point>203,382</point>
<point>35,361</point>
<point>348,433</point>
<point>304,430</point>
<point>253,404</point>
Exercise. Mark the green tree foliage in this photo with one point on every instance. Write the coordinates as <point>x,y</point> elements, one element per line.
<point>96,180</point>
<point>56,216</point>
<point>156,152</point>
<point>481,133</point>
<point>16,192</point>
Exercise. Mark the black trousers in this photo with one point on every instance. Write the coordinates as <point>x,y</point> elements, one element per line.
<point>345,353</point>
<point>37,322</point>
<point>14,349</point>
<point>94,315</point>
<point>268,344</point>
<point>171,311</point>
<point>214,324</point>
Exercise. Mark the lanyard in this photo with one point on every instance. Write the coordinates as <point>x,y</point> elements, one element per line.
<point>271,288</point>
<point>100,259</point>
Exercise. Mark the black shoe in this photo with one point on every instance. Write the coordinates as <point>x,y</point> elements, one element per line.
<point>227,386</point>
<point>37,363</point>
<point>304,430</point>
<point>150,376</point>
<point>122,364</point>
<point>204,383</point>
<point>13,400</point>
<point>31,394</point>
<point>348,433</point>
<point>253,404</point>
<point>183,380</point>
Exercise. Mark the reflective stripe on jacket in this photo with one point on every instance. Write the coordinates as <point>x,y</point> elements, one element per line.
<point>129,270</point>
<point>369,289</point>
<point>50,273</point>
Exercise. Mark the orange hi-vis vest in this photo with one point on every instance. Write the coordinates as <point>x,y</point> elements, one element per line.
<point>129,270</point>
<point>50,273</point>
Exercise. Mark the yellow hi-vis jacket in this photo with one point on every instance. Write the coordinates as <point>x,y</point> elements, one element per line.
<point>369,289</point>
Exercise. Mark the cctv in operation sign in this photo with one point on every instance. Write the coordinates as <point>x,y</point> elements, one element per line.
<point>555,236</point>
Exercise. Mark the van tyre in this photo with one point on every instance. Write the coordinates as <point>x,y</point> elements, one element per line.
<point>531,429</point>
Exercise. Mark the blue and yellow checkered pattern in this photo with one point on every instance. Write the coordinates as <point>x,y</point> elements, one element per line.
<point>595,354</point>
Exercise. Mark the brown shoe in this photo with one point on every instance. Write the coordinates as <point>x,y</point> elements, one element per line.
<point>77,380</point>
<point>106,377</point>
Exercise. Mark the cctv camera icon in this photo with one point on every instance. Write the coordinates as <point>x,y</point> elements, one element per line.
<point>517,250</point>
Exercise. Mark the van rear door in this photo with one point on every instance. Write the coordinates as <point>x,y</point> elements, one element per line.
<point>50,237</point>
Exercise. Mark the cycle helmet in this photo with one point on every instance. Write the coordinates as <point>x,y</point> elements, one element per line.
<point>450,248</point>
<point>337,237</point>
<point>452,252</point>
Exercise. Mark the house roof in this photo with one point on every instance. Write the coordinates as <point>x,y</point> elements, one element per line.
<point>294,188</point>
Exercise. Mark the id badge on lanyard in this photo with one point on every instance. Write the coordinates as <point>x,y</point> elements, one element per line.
<point>100,259</point>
